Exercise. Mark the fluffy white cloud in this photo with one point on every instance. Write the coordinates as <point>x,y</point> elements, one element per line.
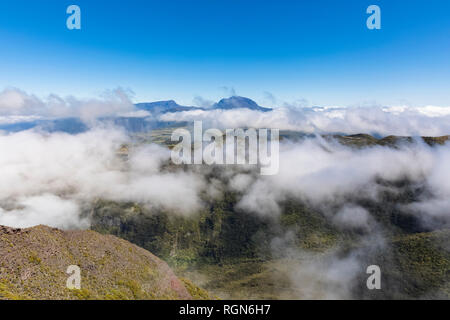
<point>427,121</point>
<point>41,172</point>
<point>320,172</point>
<point>46,209</point>
<point>17,105</point>
<point>17,102</point>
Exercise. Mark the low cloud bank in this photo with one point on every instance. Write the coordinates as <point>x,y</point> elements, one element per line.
<point>19,106</point>
<point>383,121</point>
<point>320,172</point>
<point>48,178</point>
<point>87,166</point>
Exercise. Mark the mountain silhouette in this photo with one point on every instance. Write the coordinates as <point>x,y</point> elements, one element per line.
<point>234,102</point>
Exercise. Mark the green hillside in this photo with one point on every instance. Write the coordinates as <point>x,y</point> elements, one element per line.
<point>34,262</point>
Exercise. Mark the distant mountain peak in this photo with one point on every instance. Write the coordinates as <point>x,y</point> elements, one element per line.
<point>163,106</point>
<point>234,102</point>
<point>238,102</point>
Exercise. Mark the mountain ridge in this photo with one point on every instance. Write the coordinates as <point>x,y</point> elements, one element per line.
<point>233,102</point>
<point>33,264</point>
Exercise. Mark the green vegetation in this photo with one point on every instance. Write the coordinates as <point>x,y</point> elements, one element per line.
<point>111,268</point>
<point>365,140</point>
<point>233,254</point>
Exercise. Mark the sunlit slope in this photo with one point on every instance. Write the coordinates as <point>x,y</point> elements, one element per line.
<point>34,261</point>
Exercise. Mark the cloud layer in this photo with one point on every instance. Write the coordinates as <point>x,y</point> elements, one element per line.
<point>17,106</point>
<point>48,178</point>
<point>383,121</point>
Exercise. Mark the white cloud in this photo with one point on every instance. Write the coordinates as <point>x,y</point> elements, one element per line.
<point>427,121</point>
<point>321,173</point>
<point>351,216</point>
<point>69,171</point>
<point>16,103</point>
<point>46,209</point>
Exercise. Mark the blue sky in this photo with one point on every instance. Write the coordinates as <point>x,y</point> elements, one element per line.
<point>318,50</point>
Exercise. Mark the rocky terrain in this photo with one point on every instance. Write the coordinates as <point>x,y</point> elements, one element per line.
<point>34,261</point>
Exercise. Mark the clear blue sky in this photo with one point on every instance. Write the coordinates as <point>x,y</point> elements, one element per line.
<point>317,50</point>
